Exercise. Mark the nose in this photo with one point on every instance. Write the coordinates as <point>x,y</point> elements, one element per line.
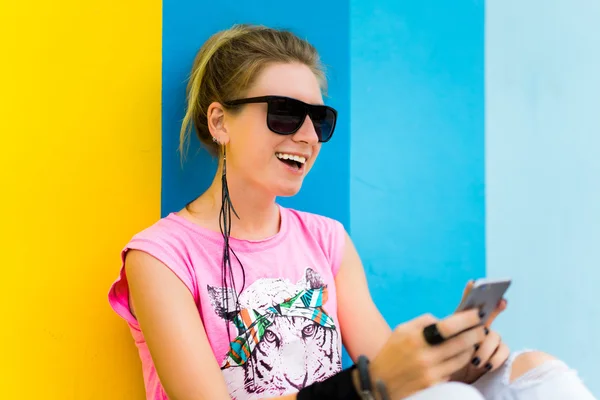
<point>307,133</point>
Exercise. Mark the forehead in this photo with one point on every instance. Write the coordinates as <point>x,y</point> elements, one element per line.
<point>291,80</point>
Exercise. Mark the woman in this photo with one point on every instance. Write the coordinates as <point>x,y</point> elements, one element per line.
<point>237,297</point>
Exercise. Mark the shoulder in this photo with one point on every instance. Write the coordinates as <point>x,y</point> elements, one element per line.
<point>329,233</point>
<point>171,238</point>
<point>168,229</point>
<point>313,221</point>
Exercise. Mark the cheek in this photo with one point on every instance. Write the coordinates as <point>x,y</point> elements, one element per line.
<point>250,131</point>
<point>257,151</point>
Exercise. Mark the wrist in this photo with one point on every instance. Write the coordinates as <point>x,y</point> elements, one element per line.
<point>365,381</point>
<point>357,386</point>
<point>342,385</point>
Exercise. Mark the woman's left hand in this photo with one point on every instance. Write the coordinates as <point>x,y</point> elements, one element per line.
<point>491,353</point>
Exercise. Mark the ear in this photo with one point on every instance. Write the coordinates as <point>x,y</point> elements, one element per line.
<point>215,117</point>
<point>217,300</point>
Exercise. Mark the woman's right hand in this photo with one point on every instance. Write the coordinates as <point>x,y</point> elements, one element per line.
<point>407,363</point>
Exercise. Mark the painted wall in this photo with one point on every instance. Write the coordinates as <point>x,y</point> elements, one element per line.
<point>405,172</point>
<point>417,169</point>
<point>542,176</point>
<point>80,172</point>
<point>326,188</point>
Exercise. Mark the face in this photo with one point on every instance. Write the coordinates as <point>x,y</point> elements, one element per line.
<point>260,157</point>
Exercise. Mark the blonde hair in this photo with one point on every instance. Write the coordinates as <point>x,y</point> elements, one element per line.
<point>227,65</point>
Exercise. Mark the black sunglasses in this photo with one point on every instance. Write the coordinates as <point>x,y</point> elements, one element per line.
<point>286,115</point>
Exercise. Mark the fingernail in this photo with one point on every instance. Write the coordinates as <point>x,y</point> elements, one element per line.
<point>476,347</point>
<point>476,361</point>
<point>481,314</point>
<point>486,330</point>
<point>488,366</point>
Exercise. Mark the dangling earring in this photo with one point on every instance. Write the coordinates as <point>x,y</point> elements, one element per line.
<point>225,225</point>
<point>226,205</point>
<point>225,193</point>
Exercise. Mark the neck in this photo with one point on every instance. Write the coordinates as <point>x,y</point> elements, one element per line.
<point>257,211</point>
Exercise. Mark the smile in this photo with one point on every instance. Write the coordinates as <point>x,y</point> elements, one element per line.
<point>292,161</point>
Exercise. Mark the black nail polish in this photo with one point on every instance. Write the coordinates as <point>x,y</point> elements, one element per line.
<point>476,361</point>
<point>486,330</point>
<point>488,366</point>
<point>476,347</point>
<point>481,314</point>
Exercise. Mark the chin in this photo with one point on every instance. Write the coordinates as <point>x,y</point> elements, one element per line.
<point>289,190</point>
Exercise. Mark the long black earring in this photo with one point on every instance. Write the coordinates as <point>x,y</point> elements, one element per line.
<point>225,194</point>
<point>225,225</point>
<point>226,269</point>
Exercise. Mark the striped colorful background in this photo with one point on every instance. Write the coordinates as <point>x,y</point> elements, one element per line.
<point>467,147</point>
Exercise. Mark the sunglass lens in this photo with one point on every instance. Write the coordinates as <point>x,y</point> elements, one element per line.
<point>324,122</point>
<point>285,116</point>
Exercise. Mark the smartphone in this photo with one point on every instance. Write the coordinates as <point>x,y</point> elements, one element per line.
<point>485,295</point>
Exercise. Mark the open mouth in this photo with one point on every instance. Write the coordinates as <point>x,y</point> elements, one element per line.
<point>293,161</point>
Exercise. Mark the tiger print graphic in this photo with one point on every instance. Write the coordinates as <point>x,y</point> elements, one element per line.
<point>296,343</point>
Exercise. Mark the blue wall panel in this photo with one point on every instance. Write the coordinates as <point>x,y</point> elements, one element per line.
<point>417,151</point>
<point>186,25</point>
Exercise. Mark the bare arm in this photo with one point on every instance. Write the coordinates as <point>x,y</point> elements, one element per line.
<point>174,332</point>
<point>364,329</point>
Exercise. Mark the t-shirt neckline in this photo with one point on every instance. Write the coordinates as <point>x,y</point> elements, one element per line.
<point>245,245</point>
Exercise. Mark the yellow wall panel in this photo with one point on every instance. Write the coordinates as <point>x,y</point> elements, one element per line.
<point>80,153</point>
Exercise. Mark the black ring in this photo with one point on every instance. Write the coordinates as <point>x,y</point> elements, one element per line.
<point>432,335</point>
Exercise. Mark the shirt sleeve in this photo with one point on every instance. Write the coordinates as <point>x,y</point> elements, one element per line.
<point>160,244</point>
<point>337,241</point>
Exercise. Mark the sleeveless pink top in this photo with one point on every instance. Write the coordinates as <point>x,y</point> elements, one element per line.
<point>286,335</point>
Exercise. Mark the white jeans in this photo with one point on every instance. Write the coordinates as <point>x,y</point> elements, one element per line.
<point>553,380</point>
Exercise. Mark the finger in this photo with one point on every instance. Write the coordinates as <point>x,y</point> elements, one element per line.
<point>453,364</point>
<point>422,321</point>
<point>466,291</point>
<point>486,350</point>
<point>502,304</point>
<point>459,322</point>
<point>499,358</point>
<point>464,342</point>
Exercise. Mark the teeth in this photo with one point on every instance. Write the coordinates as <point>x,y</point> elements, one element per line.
<point>285,156</point>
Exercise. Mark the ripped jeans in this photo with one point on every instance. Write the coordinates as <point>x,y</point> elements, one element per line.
<point>553,380</point>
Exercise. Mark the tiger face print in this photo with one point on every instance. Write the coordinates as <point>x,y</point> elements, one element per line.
<point>293,351</point>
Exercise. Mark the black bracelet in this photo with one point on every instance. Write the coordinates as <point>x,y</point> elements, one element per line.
<point>366,388</point>
<point>337,387</point>
<point>382,390</point>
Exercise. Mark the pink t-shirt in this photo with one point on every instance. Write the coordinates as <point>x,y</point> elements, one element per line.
<point>287,334</point>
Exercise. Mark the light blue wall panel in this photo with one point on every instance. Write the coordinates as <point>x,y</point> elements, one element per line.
<point>543,174</point>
